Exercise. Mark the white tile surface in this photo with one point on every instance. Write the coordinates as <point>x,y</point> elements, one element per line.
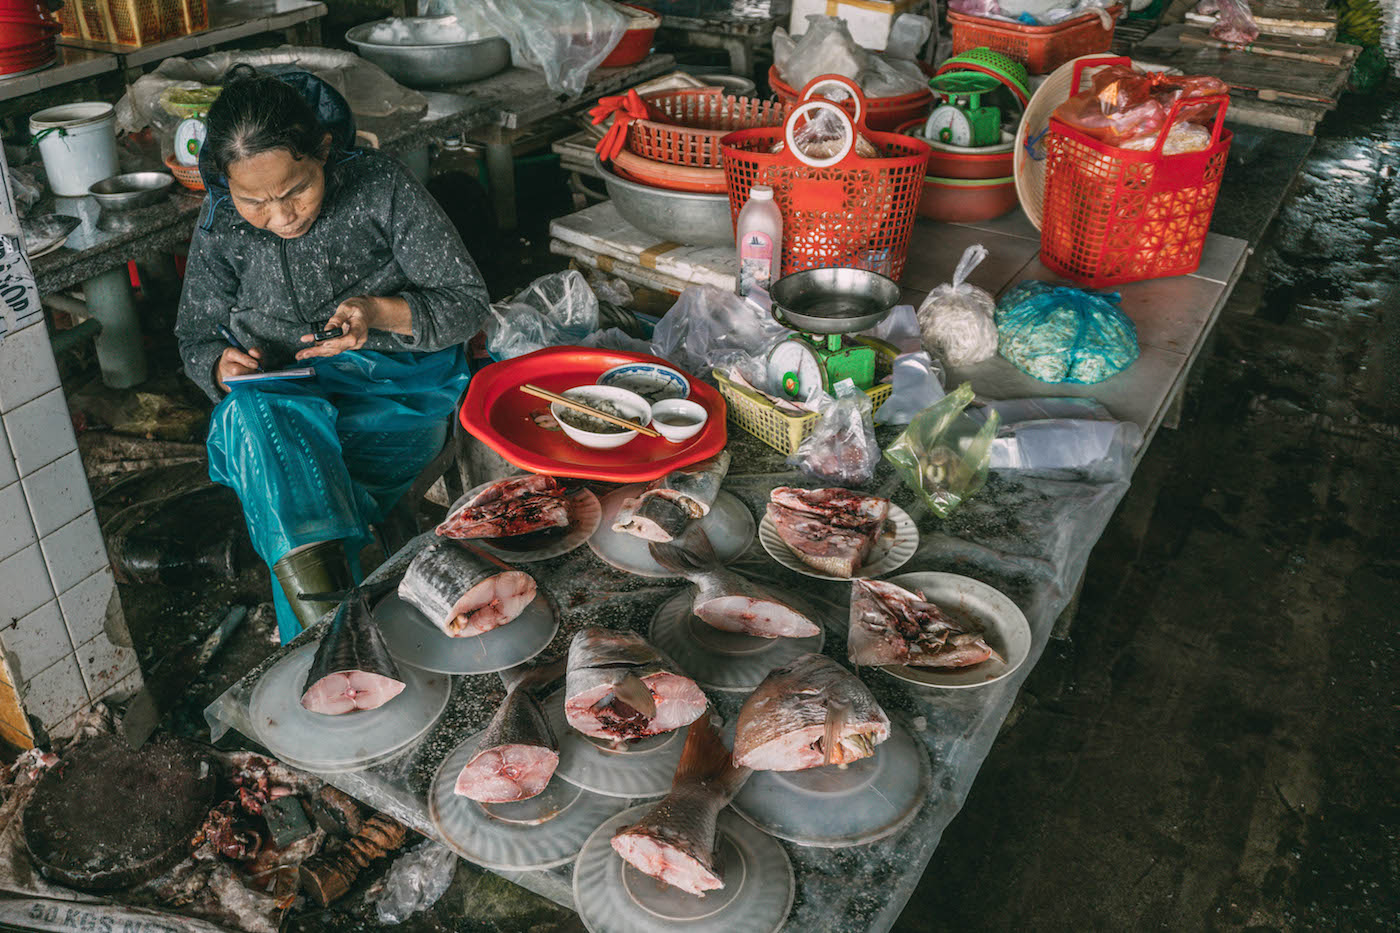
<point>934,253</point>
<point>24,583</point>
<point>74,552</point>
<point>36,641</point>
<point>85,607</point>
<point>56,693</point>
<point>123,688</point>
<point>40,431</point>
<point>57,493</point>
<point>104,664</point>
<point>27,367</point>
<point>16,528</point>
<point>8,471</point>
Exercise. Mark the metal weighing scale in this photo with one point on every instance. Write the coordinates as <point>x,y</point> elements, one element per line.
<point>826,307</point>
<point>962,120</point>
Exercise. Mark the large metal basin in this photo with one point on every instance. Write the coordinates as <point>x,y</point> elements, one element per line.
<point>678,216</point>
<point>438,64</point>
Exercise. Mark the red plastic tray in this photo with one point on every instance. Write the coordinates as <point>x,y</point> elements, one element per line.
<point>497,413</point>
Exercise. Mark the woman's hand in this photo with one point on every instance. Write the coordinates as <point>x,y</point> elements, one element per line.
<point>354,317</point>
<point>234,362</point>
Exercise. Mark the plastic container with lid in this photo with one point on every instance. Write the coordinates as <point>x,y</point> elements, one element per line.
<point>759,234</point>
<point>78,144</point>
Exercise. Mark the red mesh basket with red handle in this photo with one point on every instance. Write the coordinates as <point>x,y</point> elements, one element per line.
<point>698,118</point>
<point>841,210</point>
<point>1041,48</point>
<point>1118,215</point>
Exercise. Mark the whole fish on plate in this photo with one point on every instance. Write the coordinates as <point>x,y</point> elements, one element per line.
<point>620,686</point>
<point>806,714</point>
<point>831,530</point>
<point>668,505</point>
<point>352,668</point>
<point>727,601</point>
<point>464,594</point>
<point>518,751</point>
<point>520,505</point>
<point>675,841</point>
<point>892,625</point>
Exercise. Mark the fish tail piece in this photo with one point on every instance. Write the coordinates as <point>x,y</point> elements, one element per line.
<point>704,757</point>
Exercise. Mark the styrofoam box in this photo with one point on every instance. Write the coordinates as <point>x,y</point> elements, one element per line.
<point>868,20</point>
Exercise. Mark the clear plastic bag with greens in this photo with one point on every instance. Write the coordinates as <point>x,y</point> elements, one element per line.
<point>943,454</point>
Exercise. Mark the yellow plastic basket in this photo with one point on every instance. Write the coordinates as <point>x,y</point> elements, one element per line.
<point>783,432</point>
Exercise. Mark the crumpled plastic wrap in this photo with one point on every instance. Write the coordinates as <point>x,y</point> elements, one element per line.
<point>991,9</point>
<point>1236,23</point>
<point>563,39</point>
<point>416,881</point>
<point>555,309</point>
<point>943,455</point>
<point>916,384</point>
<point>1060,334</point>
<point>956,320</point>
<point>908,33</point>
<point>374,97</point>
<point>823,135</point>
<point>1123,104</point>
<point>841,449</point>
<point>827,48</point>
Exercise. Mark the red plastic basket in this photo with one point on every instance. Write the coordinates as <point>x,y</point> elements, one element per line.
<point>1117,215</point>
<point>1041,48</point>
<point>845,210</point>
<point>699,118</point>
<point>882,113</point>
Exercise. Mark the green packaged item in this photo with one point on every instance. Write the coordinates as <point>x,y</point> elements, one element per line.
<point>943,454</point>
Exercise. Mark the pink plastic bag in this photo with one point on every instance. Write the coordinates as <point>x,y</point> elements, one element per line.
<point>1123,105</point>
<point>1236,24</point>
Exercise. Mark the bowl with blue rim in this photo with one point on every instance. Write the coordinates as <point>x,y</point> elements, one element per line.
<point>651,381</point>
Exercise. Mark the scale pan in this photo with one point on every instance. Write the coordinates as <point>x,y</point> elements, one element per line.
<point>833,301</point>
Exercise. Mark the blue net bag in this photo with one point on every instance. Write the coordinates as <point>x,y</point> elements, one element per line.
<point>1059,334</point>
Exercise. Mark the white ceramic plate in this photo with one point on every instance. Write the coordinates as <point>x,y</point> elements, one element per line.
<point>887,556</point>
<point>543,832</point>
<point>643,768</point>
<point>651,381</point>
<point>413,639</point>
<point>729,526</point>
<point>721,660</point>
<point>613,897</point>
<point>838,806</point>
<point>584,515</point>
<point>1003,623</point>
<point>349,741</point>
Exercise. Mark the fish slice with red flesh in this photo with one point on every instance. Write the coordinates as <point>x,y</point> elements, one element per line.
<point>892,625</point>
<point>517,487</point>
<point>619,686</point>
<point>834,505</point>
<point>352,669</point>
<point>507,517</point>
<point>675,841</point>
<point>837,551</point>
<point>463,594</point>
<point>518,751</point>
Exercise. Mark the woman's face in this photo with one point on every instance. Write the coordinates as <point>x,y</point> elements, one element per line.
<point>277,192</point>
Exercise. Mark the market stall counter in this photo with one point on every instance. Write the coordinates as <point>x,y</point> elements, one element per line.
<point>1025,536</point>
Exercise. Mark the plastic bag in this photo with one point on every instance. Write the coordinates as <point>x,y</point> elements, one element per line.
<point>416,881</point>
<point>943,454</point>
<point>1098,447</point>
<point>901,329</point>
<point>564,39</point>
<point>1123,104</point>
<point>710,328</point>
<point>841,449</point>
<point>827,48</point>
<point>917,384</point>
<point>1060,334</point>
<point>956,320</point>
<point>908,34</point>
<point>555,309</point>
<point>1236,24</point>
<point>823,135</point>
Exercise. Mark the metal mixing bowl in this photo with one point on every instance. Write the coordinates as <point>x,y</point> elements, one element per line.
<point>833,301</point>
<point>128,192</point>
<point>437,64</point>
<point>678,216</point>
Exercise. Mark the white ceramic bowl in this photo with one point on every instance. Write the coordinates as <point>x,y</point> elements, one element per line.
<point>634,408</point>
<point>680,408</point>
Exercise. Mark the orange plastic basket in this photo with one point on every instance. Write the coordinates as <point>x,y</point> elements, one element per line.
<point>1117,215</point>
<point>1041,48</point>
<point>187,175</point>
<point>882,113</point>
<point>843,210</point>
<point>697,119</point>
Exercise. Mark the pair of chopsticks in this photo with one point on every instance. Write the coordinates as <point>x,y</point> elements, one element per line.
<point>547,395</point>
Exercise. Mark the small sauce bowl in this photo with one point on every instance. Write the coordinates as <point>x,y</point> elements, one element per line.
<point>678,419</point>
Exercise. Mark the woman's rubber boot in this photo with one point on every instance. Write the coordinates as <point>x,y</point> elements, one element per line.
<point>320,567</point>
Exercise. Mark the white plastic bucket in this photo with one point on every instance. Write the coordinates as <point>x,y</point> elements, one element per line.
<point>78,143</point>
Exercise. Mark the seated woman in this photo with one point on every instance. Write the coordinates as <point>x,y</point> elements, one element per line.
<point>302,233</point>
